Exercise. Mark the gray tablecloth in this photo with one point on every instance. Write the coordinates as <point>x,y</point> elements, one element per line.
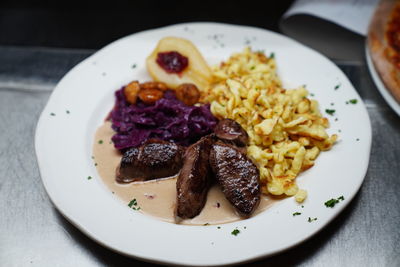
<point>33,233</point>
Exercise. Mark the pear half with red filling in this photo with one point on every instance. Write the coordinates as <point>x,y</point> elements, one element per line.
<point>175,61</point>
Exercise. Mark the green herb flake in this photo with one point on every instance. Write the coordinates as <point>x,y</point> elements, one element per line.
<point>95,164</point>
<point>252,67</point>
<point>302,206</point>
<point>311,219</point>
<point>100,142</point>
<point>358,139</point>
<point>67,111</point>
<point>332,202</point>
<point>206,224</point>
<point>134,66</point>
<point>219,227</point>
<point>52,114</point>
<point>330,111</point>
<point>353,101</point>
<point>312,94</point>
<point>296,213</point>
<point>337,86</point>
<point>235,232</point>
<point>89,177</point>
<point>272,55</point>
<point>132,203</point>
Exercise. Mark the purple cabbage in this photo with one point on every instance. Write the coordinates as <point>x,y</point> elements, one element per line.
<point>168,119</point>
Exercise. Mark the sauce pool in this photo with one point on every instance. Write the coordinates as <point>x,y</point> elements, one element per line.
<point>157,198</point>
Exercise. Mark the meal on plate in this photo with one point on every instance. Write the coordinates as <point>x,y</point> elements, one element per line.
<point>202,145</point>
<point>384,44</point>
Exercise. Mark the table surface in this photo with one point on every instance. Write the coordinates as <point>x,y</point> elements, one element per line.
<point>34,233</point>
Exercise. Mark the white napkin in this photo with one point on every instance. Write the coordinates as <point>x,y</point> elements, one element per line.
<point>334,27</point>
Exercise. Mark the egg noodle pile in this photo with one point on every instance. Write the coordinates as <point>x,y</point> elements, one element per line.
<point>286,129</point>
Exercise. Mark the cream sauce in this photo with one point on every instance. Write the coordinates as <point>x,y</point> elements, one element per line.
<point>157,198</point>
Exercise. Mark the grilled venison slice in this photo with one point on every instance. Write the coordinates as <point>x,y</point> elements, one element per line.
<point>154,159</point>
<point>194,179</point>
<point>231,131</point>
<point>238,177</point>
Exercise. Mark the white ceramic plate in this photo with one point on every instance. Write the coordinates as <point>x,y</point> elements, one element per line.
<point>83,98</point>
<point>380,85</point>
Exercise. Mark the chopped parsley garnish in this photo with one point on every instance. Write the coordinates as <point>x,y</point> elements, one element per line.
<point>67,111</point>
<point>252,67</point>
<point>312,94</point>
<point>272,55</point>
<point>358,139</point>
<point>302,206</point>
<point>337,86</point>
<point>353,101</point>
<point>311,219</point>
<point>133,66</point>
<point>206,224</point>
<point>100,142</point>
<point>89,177</point>
<point>296,213</point>
<point>219,227</point>
<point>330,111</point>
<point>235,232</point>
<point>332,202</point>
<point>95,164</point>
<point>133,204</point>
<point>52,114</point>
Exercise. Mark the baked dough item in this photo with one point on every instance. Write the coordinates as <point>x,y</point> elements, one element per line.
<point>384,44</point>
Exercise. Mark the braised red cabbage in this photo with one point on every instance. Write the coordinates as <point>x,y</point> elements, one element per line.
<point>168,119</point>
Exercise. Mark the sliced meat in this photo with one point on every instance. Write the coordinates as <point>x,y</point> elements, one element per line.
<point>238,177</point>
<point>230,130</point>
<point>194,179</point>
<point>154,159</point>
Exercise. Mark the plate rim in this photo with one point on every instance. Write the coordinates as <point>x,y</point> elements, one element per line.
<point>385,93</point>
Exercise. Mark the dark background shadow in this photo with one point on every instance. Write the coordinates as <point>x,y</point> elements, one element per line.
<point>92,24</point>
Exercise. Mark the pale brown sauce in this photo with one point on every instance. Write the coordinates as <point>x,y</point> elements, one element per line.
<point>157,198</point>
